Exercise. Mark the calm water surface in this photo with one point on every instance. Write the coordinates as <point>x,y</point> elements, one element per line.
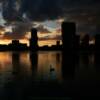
<point>27,75</point>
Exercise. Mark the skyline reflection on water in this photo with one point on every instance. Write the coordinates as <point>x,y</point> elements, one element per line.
<point>19,70</point>
<point>25,63</point>
<point>40,63</point>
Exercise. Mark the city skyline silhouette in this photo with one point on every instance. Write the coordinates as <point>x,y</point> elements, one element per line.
<point>70,40</point>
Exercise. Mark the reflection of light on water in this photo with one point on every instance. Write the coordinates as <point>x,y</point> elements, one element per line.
<point>25,64</point>
<point>24,58</point>
<point>45,59</point>
<point>86,69</point>
<point>5,68</point>
<point>91,59</point>
<point>52,75</point>
<point>5,61</point>
<point>21,63</point>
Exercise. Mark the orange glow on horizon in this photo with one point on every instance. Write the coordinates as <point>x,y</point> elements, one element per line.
<point>41,43</point>
<point>5,42</point>
<point>6,39</point>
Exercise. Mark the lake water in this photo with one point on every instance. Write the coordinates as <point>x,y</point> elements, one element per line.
<point>27,75</point>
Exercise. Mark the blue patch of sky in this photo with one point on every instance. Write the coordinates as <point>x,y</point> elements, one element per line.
<point>2,21</point>
<point>52,25</point>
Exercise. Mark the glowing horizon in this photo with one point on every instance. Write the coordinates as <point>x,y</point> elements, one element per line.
<point>40,43</point>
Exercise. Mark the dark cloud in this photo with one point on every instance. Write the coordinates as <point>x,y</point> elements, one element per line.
<point>9,11</point>
<point>41,9</point>
<point>53,9</point>
<point>47,9</point>
<point>10,35</point>
<point>19,30</point>
<point>85,13</point>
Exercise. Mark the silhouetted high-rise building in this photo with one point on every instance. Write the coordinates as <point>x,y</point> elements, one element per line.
<point>97,42</point>
<point>70,42</point>
<point>17,46</point>
<point>97,52</point>
<point>58,43</point>
<point>15,42</point>
<point>68,35</point>
<point>34,40</point>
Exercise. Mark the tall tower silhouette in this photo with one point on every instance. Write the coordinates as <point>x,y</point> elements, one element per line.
<point>70,42</point>
<point>97,42</point>
<point>68,35</point>
<point>34,40</point>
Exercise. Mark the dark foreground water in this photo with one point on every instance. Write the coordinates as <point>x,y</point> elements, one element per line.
<point>25,75</point>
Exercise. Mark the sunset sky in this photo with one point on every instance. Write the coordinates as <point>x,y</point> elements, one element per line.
<point>17,17</point>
